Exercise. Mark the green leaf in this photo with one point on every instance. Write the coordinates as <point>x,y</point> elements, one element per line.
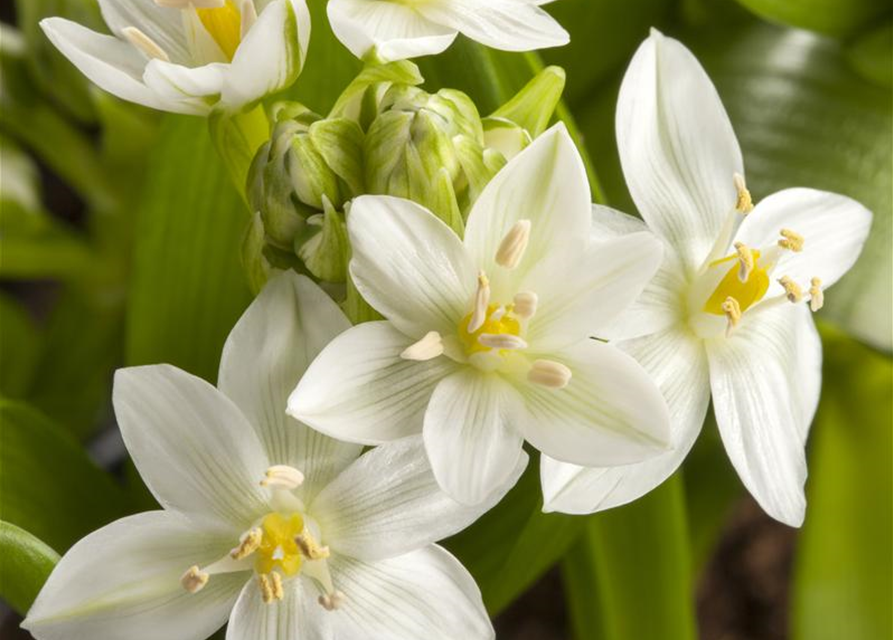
<point>843,585</point>
<point>25,564</point>
<point>48,485</point>
<point>871,54</point>
<point>629,575</point>
<point>19,347</point>
<point>831,17</point>
<point>188,287</point>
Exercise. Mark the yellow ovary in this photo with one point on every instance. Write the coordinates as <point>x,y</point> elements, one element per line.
<point>494,323</point>
<point>278,549</point>
<point>746,293</point>
<point>225,26</point>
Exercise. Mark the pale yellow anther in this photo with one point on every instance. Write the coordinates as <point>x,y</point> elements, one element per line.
<point>427,348</point>
<point>791,241</point>
<point>310,548</point>
<point>745,261</point>
<point>732,309</point>
<point>194,580</point>
<point>501,341</point>
<point>249,543</point>
<point>791,289</point>
<point>513,245</point>
<point>524,305</point>
<point>145,44</point>
<point>276,586</point>
<point>816,295</point>
<point>744,203</point>
<point>332,601</point>
<point>283,477</point>
<point>249,17</point>
<point>266,588</point>
<point>481,302</point>
<point>549,374</point>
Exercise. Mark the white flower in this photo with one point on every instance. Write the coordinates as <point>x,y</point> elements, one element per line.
<point>487,339</point>
<point>729,311</point>
<point>190,56</point>
<point>399,29</point>
<point>284,532</point>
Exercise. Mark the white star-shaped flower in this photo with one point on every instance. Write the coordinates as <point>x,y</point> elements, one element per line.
<point>268,524</point>
<point>729,310</point>
<point>190,56</point>
<point>399,29</point>
<point>487,339</point>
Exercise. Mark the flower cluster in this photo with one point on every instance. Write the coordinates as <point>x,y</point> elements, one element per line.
<point>510,310</point>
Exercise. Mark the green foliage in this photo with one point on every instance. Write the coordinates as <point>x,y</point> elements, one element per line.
<point>831,17</point>
<point>25,564</point>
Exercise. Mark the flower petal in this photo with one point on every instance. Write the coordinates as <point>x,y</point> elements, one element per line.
<point>388,503</point>
<point>409,265</point>
<point>266,354</point>
<point>271,55</point>
<point>509,25</point>
<point>834,229</point>
<point>766,379</point>
<point>546,184</point>
<point>678,363</point>
<point>191,444</point>
<point>677,147</point>
<point>176,83</point>
<point>611,413</point>
<point>474,452</point>
<point>122,582</point>
<point>394,30</point>
<point>164,25</point>
<point>359,389</point>
<point>298,616</point>
<point>424,594</point>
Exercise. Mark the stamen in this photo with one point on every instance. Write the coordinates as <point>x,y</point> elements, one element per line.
<point>276,584</point>
<point>744,204</point>
<point>266,588</point>
<point>733,312</point>
<point>282,476</point>
<point>332,601</point>
<point>792,290</point>
<point>481,302</point>
<point>194,580</point>
<point>145,44</point>
<point>791,241</point>
<point>427,348</point>
<point>746,261</point>
<point>248,544</point>
<point>525,305</point>
<point>249,17</point>
<point>550,374</point>
<point>816,295</point>
<point>310,548</point>
<point>513,245</point>
<point>501,341</point>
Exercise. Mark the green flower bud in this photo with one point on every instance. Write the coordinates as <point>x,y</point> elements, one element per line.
<point>323,245</point>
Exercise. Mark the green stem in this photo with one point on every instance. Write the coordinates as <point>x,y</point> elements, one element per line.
<point>237,138</point>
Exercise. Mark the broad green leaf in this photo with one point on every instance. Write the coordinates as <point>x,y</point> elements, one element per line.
<point>48,485</point>
<point>629,576</point>
<point>831,17</point>
<point>19,348</point>
<point>843,584</point>
<point>25,564</point>
<point>871,54</point>
<point>188,287</point>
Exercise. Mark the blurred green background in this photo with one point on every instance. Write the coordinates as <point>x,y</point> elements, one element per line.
<point>120,239</point>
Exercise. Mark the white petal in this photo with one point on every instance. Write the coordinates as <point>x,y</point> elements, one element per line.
<point>577,301</point>
<point>190,443</point>
<point>677,147</point>
<point>834,229</point>
<point>395,30</point>
<point>359,389</point>
<point>546,183</point>
<point>112,64</point>
<point>164,25</point>
<point>271,55</point>
<point>510,25</point>
<point>766,379</point>
<point>122,582</point>
<point>678,364</point>
<point>298,616</point>
<point>424,594</point>
<point>611,413</point>
<point>388,503</point>
<point>176,83</point>
<point>474,451</point>
<point>266,354</point>
<point>409,265</point>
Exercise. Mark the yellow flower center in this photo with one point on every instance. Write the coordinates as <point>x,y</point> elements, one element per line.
<point>495,324</point>
<point>225,26</point>
<point>278,548</point>
<point>746,292</point>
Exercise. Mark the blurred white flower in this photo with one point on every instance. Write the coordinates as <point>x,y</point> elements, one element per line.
<point>280,530</point>
<point>399,29</point>
<point>487,341</point>
<point>729,311</point>
<point>190,56</point>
